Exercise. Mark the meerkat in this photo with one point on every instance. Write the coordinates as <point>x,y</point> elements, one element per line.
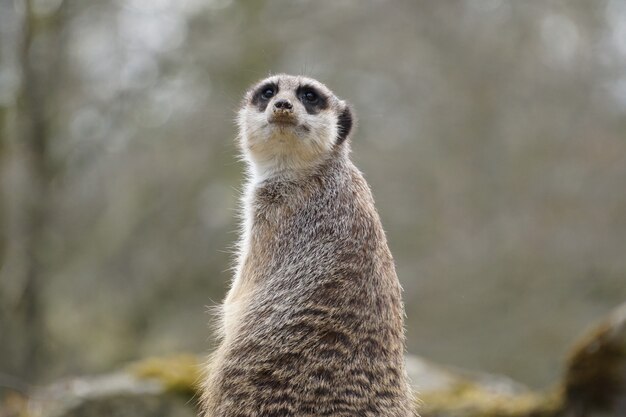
<point>313,322</point>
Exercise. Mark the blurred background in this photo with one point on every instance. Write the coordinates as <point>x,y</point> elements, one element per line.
<point>492,132</point>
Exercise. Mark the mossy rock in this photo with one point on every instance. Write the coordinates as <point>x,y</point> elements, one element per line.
<point>595,380</point>
<point>594,386</point>
<point>178,373</point>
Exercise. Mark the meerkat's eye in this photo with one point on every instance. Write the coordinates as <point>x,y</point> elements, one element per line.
<point>268,93</point>
<point>310,97</point>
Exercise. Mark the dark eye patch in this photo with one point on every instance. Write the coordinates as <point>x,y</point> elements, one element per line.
<point>312,99</point>
<point>263,94</point>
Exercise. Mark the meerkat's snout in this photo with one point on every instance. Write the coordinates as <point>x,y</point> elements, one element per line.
<point>282,112</point>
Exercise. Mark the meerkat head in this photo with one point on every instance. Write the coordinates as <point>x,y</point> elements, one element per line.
<point>290,123</point>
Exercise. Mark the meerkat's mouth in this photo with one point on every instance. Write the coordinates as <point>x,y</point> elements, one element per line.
<point>283,120</point>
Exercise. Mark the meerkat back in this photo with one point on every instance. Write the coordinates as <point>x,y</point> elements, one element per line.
<point>313,322</point>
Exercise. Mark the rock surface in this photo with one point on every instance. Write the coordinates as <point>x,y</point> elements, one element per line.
<point>120,394</point>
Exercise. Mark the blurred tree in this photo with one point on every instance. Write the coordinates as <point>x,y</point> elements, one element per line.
<point>25,215</point>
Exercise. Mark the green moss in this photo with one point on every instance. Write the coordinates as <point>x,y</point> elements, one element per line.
<point>13,404</point>
<point>469,399</point>
<point>179,373</point>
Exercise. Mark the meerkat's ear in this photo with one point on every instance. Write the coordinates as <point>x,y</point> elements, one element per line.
<point>344,124</point>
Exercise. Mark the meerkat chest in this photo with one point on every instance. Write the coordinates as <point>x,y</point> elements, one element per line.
<point>285,230</point>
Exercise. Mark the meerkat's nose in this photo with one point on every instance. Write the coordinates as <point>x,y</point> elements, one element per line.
<point>283,104</point>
